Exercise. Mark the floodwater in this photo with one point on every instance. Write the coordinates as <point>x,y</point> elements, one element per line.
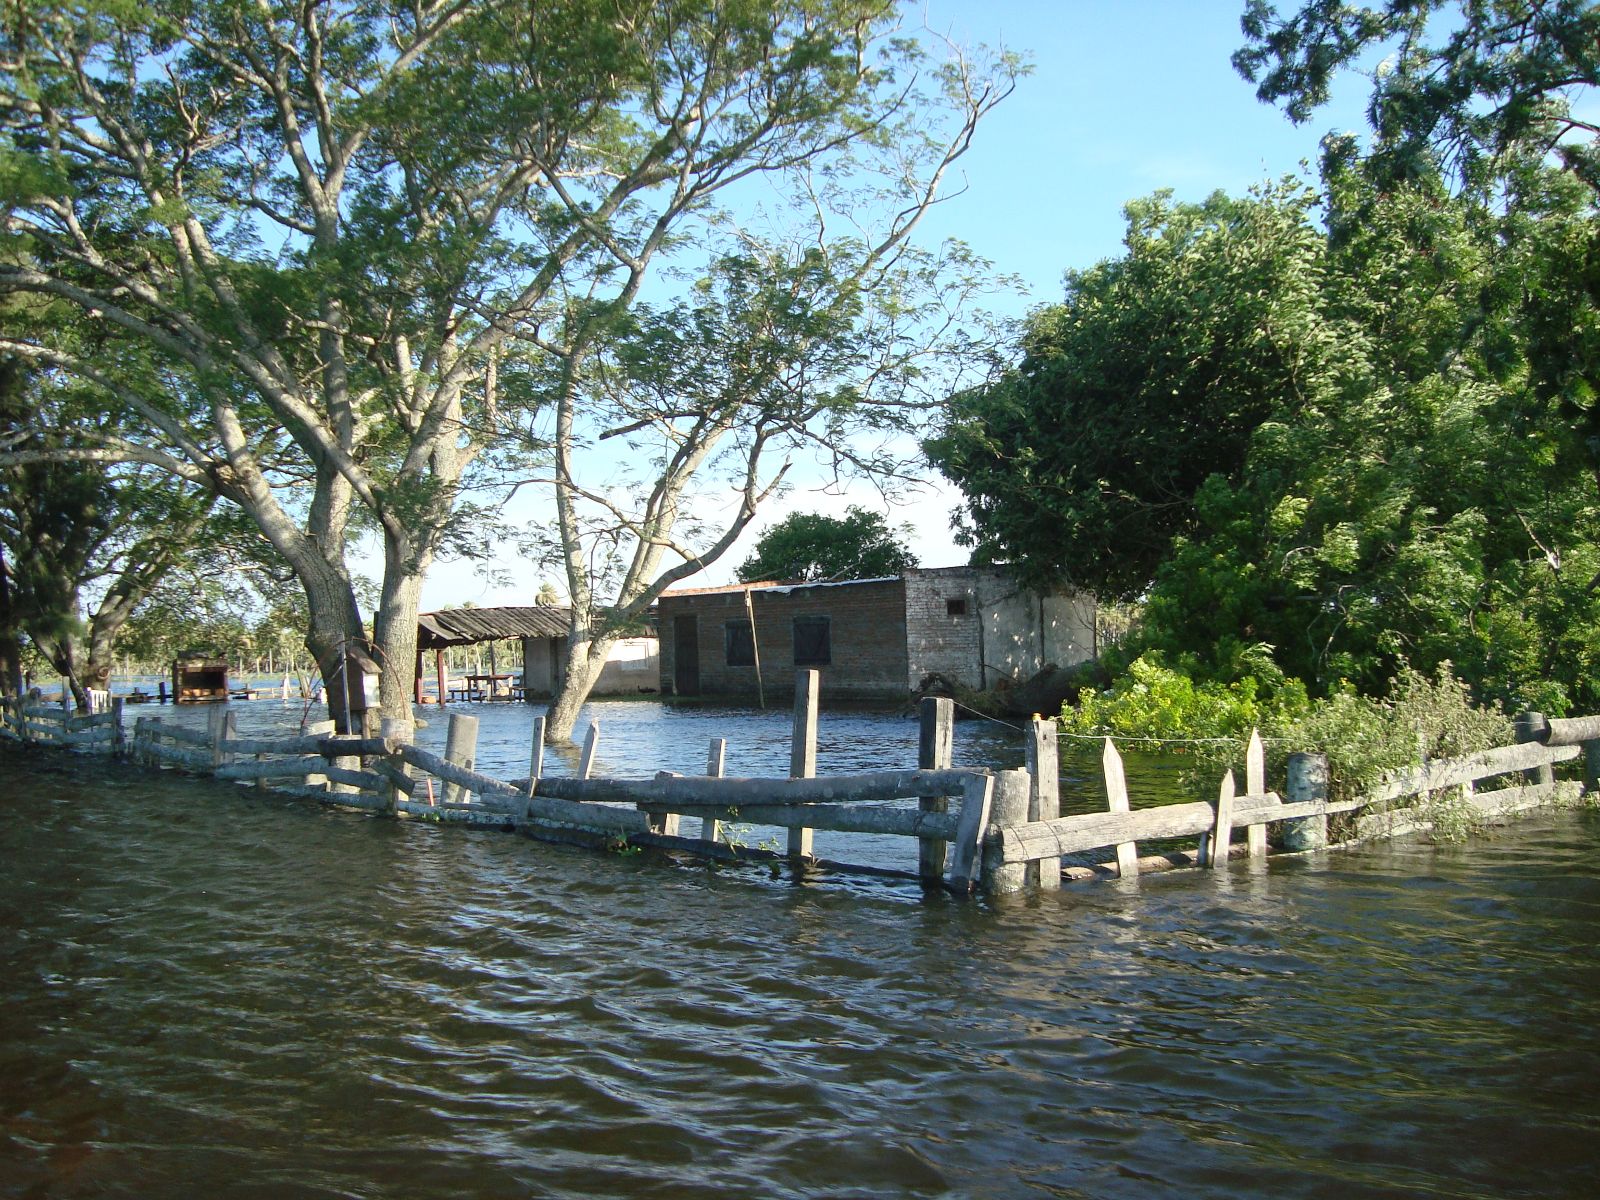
<point>207,991</point>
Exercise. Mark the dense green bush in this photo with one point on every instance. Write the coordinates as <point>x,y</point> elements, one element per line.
<point>1364,737</point>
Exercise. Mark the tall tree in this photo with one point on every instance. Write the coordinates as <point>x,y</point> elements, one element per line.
<point>378,239</point>
<point>814,546</point>
<point>1082,463</point>
<point>1469,84</point>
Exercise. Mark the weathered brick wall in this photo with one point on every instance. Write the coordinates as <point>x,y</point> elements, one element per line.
<point>936,639</point>
<point>1004,632</point>
<point>867,627</point>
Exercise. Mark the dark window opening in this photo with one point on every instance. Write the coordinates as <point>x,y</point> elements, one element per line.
<point>956,606</point>
<point>739,644</point>
<point>813,642</point>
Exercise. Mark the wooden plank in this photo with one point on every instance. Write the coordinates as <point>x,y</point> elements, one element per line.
<point>192,737</point>
<point>935,751</point>
<point>591,743</point>
<point>1222,831</point>
<point>272,768</point>
<point>1117,802</point>
<point>1451,772</point>
<point>835,818</point>
<point>740,793</point>
<point>329,745</point>
<point>803,748</point>
<point>1094,831</point>
<point>1043,763</point>
<point>971,826</point>
<point>197,760</point>
<point>1571,731</point>
<point>1255,782</point>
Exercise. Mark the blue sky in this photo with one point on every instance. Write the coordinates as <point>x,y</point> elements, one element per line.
<point>1124,98</point>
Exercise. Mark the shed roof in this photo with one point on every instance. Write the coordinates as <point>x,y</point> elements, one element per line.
<point>464,626</point>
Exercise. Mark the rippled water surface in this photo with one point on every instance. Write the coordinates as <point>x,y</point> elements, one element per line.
<point>208,991</point>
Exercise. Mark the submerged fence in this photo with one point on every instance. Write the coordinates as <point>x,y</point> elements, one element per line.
<point>1003,833</point>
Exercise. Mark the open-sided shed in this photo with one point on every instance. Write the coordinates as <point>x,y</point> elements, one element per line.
<point>542,629</point>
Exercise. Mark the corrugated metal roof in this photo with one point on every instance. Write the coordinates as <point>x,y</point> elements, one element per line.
<point>464,626</point>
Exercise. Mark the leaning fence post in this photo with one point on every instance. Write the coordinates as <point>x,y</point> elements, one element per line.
<point>1222,830</point>
<point>1044,793</point>
<point>591,744</point>
<point>1117,801</point>
<point>976,800</point>
<point>1009,807</point>
<point>1308,780</point>
<point>716,764</point>
<point>803,748</point>
<point>460,748</point>
<point>935,750</point>
<point>1530,727</point>
<point>536,754</point>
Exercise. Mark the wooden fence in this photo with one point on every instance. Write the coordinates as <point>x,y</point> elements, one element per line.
<point>1003,833</point>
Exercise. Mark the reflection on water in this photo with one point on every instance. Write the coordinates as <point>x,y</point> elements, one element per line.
<point>209,991</point>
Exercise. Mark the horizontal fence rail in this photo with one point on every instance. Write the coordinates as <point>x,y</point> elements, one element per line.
<point>973,827</point>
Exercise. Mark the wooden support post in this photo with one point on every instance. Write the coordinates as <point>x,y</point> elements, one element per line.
<point>315,729</point>
<point>1530,727</point>
<point>66,695</point>
<point>440,675</point>
<point>1008,807</point>
<point>393,727</point>
<point>1222,831</point>
<point>416,682</point>
<point>1591,767</point>
<point>967,854</point>
<point>216,730</point>
<point>1308,780</point>
<point>1117,801</point>
<point>665,823</point>
<point>590,744</point>
<point>536,754</point>
<point>935,748</point>
<point>119,733</point>
<point>1044,793</point>
<point>716,764</point>
<point>803,748</point>
<point>460,748</point>
<point>1255,783</point>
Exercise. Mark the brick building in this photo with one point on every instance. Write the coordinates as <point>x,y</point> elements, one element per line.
<point>872,639</point>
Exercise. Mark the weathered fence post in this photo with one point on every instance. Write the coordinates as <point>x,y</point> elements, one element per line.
<point>976,800</point>
<point>1009,807</point>
<point>314,729</point>
<point>1221,840</point>
<point>119,733</point>
<point>1530,727</point>
<point>393,727</point>
<point>460,748</point>
<point>1255,783</point>
<point>935,749</point>
<point>536,755</point>
<point>1044,793</point>
<point>591,746</point>
<point>216,730</point>
<point>1308,780</point>
<point>803,748</point>
<point>1591,766</point>
<point>716,764</point>
<point>1117,801</point>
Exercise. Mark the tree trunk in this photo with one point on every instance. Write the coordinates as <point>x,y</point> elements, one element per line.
<point>395,636</point>
<point>10,637</point>
<point>335,631</point>
<point>586,657</point>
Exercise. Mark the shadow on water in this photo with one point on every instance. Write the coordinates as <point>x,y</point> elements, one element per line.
<point>210,991</point>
